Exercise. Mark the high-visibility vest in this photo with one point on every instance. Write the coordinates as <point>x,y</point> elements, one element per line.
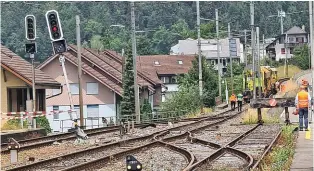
<point>233,98</point>
<point>303,101</point>
<point>240,97</point>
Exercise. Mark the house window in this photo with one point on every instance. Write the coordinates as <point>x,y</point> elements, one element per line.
<point>156,62</point>
<point>300,39</point>
<point>92,88</point>
<point>92,111</point>
<point>180,62</point>
<point>283,51</point>
<point>74,87</point>
<point>291,40</point>
<point>55,115</point>
<point>291,50</point>
<point>213,62</point>
<point>165,79</point>
<point>77,109</point>
<point>173,80</point>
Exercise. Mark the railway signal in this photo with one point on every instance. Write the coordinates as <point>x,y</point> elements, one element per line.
<point>54,25</point>
<point>132,164</point>
<point>30,48</point>
<point>59,46</point>
<point>30,27</point>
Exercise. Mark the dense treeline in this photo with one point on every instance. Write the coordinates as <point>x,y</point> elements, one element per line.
<point>166,22</point>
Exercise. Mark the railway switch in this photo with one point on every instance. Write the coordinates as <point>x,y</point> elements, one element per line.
<point>132,164</point>
<point>13,146</point>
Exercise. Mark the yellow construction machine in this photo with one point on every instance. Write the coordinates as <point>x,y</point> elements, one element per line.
<point>266,82</point>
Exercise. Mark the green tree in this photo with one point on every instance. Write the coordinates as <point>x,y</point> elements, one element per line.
<point>301,57</point>
<point>236,68</point>
<point>146,110</point>
<point>186,99</point>
<point>210,81</point>
<point>128,101</point>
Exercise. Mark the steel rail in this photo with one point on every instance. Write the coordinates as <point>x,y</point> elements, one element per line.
<point>102,147</point>
<point>45,141</point>
<point>101,162</point>
<point>68,138</point>
<point>227,148</point>
<point>63,136</point>
<point>269,148</point>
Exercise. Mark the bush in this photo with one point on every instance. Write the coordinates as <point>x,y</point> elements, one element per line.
<point>186,99</point>
<point>14,124</point>
<point>43,122</point>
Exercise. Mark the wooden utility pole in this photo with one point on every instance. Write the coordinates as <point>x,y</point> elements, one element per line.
<point>78,42</point>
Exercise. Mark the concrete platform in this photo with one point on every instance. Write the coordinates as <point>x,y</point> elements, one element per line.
<point>303,157</point>
<point>22,134</point>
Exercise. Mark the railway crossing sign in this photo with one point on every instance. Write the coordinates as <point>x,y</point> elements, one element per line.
<point>272,102</point>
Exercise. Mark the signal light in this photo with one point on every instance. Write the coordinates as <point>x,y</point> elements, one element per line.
<point>54,25</point>
<point>30,27</point>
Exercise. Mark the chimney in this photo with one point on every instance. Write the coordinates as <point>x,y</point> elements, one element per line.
<point>303,27</point>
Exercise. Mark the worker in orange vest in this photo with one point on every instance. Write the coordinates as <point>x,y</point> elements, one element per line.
<point>302,103</point>
<point>233,100</point>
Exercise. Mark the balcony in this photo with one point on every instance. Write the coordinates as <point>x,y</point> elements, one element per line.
<point>293,44</point>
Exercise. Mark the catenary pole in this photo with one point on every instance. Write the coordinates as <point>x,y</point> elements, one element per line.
<point>200,81</point>
<point>253,47</point>
<point>218,52</point>
<point>312,47</point>
<point>258,63</point>
<point>229,36</point>
<point>78,42</point>
<point>136,90</point>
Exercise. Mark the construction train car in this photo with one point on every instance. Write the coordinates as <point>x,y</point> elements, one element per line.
<point>266,82</point>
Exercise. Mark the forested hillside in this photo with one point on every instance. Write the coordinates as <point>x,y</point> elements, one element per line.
<point>166,22</point>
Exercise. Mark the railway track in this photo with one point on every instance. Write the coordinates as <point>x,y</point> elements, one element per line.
<point>75,160</point>
<point>243,152</point>
<point>48,140</point>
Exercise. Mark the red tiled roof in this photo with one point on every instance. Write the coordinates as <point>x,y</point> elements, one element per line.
<point>24,69</point>
<point>168,64</point>
<point>108,69</point>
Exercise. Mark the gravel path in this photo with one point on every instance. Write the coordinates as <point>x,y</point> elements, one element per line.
<point>152,159</point>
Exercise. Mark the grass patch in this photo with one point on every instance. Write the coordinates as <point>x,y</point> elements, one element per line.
<point>198,113</point>
<point>250,117</point>
<point>280,158</point>
<point>291,71</point>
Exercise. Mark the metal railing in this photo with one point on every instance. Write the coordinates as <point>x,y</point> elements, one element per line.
<point>96,122</point>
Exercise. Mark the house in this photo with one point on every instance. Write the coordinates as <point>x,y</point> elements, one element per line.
<point>166,68</point>
<point>101,86</point>
<point>294,37</point>
<point>209,50</point>
<point>16,84</point>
